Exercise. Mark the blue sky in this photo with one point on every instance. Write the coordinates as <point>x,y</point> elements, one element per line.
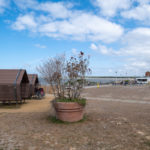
<point>115,33</point>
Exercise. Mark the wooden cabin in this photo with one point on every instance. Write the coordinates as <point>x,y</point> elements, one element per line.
<point>14,85</point>
<point>34,82</point>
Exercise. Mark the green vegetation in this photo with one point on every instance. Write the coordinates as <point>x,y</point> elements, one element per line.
<point>79,101</point>
<point>57,121</point>
<point>147,143</point>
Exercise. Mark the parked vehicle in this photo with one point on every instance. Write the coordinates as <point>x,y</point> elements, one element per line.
<point>143,80</point>
<point>39,93</point>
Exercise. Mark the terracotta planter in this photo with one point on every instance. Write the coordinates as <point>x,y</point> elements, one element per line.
<point>69,111</point>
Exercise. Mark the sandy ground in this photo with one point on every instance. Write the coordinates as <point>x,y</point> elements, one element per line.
<point>110,125</point>
<point>139,93</point>
<point>29,106</point>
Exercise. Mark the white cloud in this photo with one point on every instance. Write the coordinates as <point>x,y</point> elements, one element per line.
<point>140,36</point>
<point>137,67</point>
<point>25,22</point>
<point>24,4</point>
<point>110,8</point>
<point>135,51</point>
<point>103,49</point>
<point>135,43</point>
<point>127,8</point>
<point>3,4</point>
<point>55,9</point>
<point>60,21</point>
<point>93,46</point>
<point>141,13</point>
<point>79,26</point>
<point>139,64</point>
<point>48,28</point>
<point>143,1</point>
<point>58,10</point>
<point>40,46</point>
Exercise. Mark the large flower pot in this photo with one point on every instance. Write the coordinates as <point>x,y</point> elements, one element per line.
<point>69,111</point>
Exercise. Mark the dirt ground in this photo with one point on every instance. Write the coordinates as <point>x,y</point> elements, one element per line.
<point>116,119</point>
<point>139,93</point>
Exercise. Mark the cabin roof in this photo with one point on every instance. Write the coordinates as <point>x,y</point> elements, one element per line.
<point>33,78</point>
<point>13,76</point>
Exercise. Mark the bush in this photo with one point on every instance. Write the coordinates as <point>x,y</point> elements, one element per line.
<point>79,101</point>
<point>66,77</point>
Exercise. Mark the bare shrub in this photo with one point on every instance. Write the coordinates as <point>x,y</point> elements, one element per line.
<point>53,72</point>
<point>76,69</point>
<point>65,77</point>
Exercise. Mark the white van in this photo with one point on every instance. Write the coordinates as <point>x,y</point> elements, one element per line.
<point>142,80</point>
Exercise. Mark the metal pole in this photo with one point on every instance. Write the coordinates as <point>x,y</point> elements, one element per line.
<point>116,77</point>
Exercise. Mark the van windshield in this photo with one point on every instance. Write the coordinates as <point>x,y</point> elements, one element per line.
<point>143,80</point>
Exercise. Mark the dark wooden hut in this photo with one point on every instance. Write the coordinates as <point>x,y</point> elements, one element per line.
<point>14,85</point>
<point>34,82</point>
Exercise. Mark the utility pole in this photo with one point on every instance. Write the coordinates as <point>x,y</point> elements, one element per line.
<point>116,77</point>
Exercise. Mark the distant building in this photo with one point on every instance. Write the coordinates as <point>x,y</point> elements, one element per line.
<point>147,74</point>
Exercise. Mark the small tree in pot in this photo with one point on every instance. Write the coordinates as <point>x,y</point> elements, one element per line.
<point>67,80</point>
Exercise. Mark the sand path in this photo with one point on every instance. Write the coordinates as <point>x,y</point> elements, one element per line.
<point>30,106</point>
